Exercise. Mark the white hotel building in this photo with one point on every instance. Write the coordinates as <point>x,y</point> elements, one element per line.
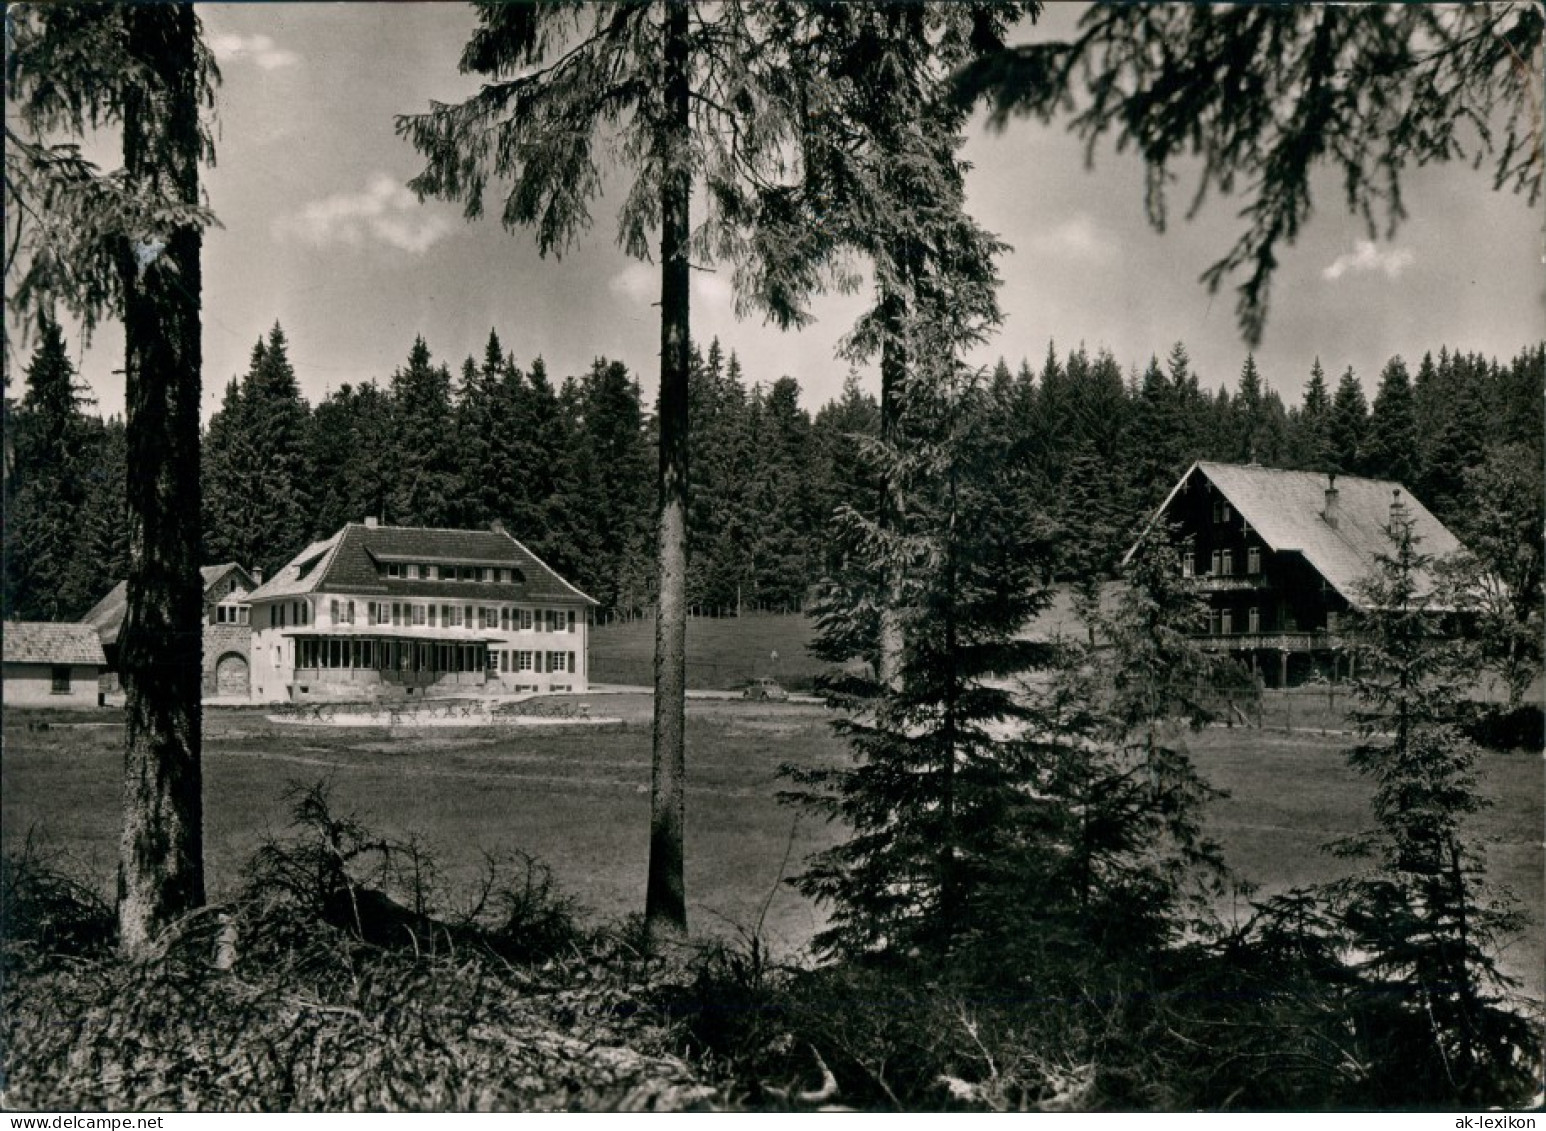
<point>381,611</point>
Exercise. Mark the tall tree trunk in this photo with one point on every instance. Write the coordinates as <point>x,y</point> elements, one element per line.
<point>665,907</point>
<point>161,859</point>
<point>893,369</point>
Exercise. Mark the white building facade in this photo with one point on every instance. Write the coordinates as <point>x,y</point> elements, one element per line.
<point>385,611</point>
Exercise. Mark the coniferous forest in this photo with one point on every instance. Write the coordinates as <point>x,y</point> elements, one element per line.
<point>564,461</point>
<point>1021,896</point>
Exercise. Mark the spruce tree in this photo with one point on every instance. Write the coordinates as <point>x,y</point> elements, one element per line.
<point>1310,428</point>
<point>1391,445</point>
<point>1425,927</point>
<point>1347,426</point>
<point>929,797</point>
<point>427,475</point>
<point>54,446</point>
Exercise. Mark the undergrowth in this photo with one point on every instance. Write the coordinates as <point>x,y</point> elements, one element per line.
<point>342,978</point>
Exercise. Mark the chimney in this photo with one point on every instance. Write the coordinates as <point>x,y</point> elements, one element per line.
<point>1330,513</point>
<point>497,526</point>
<point>257,575</point>
<point>370,520</point>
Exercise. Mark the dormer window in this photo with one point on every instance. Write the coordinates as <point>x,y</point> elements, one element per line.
<point>1221,512</point>
<point>394,569</point>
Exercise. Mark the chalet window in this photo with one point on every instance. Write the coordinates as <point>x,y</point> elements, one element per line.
<point>1188,563</point>
<point>1215,622</point>
<point>394,569</point>
<point>1333,620</point>
<point>523,661</point>
<point>1227,622</point>
<point>1217,557</point>
<point>1253,620</point>
<point>1253,560</point>
<point>551,616</point>
<point>1229,562</point>
<point>1221,511</point>
<point>59,681</point>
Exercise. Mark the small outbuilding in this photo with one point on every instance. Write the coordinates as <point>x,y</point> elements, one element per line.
<point>52,665</point>
<point>227,633</point>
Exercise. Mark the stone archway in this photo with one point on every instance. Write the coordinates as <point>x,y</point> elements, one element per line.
<point>231,675</point>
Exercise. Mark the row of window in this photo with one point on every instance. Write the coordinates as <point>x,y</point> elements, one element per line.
<point>502,618</point>
<point>510,660</point>
<point>1224,563</point>
<point>231,614</point>
<point>424,657</point>
<point>412,571</point>
<point>1221,622</point>
<point>489,618</point>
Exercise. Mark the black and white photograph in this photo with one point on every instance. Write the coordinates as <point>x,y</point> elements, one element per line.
<point>773,556</point>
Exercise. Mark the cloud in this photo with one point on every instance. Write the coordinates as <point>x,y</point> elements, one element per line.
<point>713,292</point>
<point>259,49</point>
<point>385,213</point>
<point>1365,257</point>
<point>1076,238</point>
<point>638,282</point>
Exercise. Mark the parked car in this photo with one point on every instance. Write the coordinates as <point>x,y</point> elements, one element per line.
<point>765,689</point>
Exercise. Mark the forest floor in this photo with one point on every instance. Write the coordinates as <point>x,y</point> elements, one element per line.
<point>580,801</point>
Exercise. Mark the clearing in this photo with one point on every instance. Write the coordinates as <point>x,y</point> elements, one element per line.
<point>580,801</point>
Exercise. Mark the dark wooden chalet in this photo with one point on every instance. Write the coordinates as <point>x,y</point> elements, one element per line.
<point>1282,556</point>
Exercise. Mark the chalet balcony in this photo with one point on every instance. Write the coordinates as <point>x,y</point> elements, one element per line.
<point>1279,641</point>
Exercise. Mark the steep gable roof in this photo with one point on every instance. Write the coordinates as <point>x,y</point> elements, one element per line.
<point>40,642</point>
<point>350,562</point>
<point>1287,511</point>
<point>106,616</point>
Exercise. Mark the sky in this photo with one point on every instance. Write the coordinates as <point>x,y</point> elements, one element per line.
<point>319,234</point>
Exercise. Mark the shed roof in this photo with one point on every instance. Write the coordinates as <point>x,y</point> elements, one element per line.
<point>44,642</point>
<point>348,562</point>
<point>1287,509</point>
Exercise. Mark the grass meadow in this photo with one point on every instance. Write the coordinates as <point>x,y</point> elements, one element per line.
<point>579,800</point>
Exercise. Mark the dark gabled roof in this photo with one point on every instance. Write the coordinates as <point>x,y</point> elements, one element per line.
<point>1287,510</point>
<point>349,563</point>
<point>106,616</point>
<point>40,642</point>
